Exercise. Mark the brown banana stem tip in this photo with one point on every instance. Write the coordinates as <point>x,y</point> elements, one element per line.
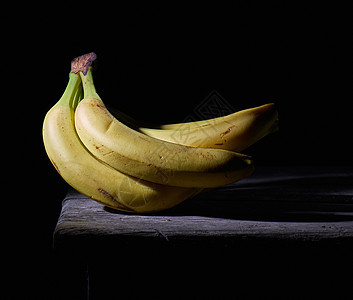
<point>82,63</point>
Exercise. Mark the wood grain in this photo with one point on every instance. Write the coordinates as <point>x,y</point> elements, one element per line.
<point>296,204</point>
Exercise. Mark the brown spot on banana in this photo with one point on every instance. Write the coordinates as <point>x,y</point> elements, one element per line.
<point>227,131</point>
<point>108,153</point>
<point>97,147</point>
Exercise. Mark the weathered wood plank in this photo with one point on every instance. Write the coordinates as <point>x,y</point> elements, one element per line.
<point>283,204</point>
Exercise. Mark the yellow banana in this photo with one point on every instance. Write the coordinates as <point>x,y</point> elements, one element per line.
<point>234,132</point>
<point>104,184</point>
<point>144,157</point>
<point>90,176</point>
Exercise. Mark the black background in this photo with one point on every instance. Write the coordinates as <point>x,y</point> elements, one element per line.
<point>157,63</point>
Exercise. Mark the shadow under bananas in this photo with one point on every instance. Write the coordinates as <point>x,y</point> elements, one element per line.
<point>297,194</point>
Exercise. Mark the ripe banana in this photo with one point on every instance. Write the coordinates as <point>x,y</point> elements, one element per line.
<point>90,176</point>
<point>99,181</point>
<point>147,158</point>
<point>234,132</point>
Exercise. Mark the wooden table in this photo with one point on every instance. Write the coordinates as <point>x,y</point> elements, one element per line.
<point>272,224</point>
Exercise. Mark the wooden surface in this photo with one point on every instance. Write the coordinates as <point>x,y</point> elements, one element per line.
<point>296,204</point>
<point>283,230</point>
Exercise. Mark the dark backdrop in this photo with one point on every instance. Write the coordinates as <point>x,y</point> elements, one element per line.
<point>158,63</point>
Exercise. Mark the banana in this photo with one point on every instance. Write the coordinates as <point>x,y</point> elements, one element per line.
<point>112,188</point>
<point>85,173</point>
<point>234,132</point>
<point>148,158</point>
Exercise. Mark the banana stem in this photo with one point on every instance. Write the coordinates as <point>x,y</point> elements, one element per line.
<point>78,97</point>
<point>69,95</point>
<point>88,85</point>
<point>82,65</point>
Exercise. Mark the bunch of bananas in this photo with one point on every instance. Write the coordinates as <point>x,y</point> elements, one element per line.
<point>125,165</point>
